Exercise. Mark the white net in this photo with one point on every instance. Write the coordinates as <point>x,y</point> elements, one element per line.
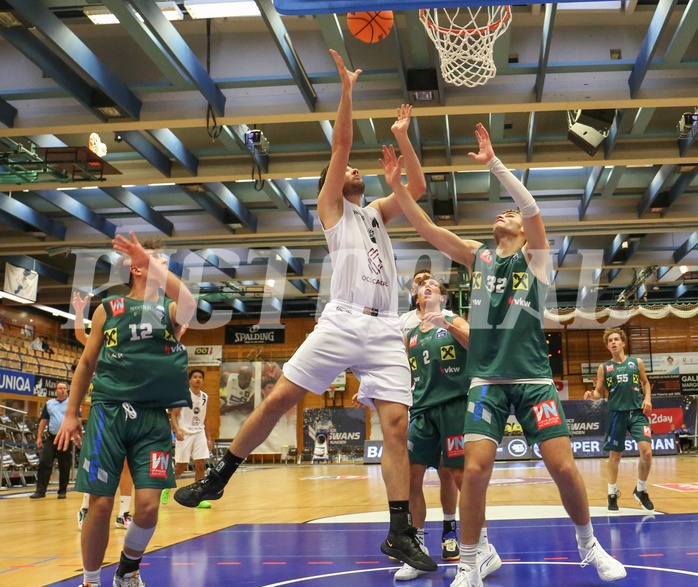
<point>622,314</point>
<point>466,47</point>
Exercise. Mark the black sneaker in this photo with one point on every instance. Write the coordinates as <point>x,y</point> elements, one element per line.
<point>644,500</point>
<point>404,546</point>
<point>613,502</point>
<point>207,489</point>
<point>37,495</point>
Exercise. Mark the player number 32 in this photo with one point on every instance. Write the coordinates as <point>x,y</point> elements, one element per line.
<point>496,284</point>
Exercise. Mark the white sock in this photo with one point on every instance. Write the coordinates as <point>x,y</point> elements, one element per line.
<point>468,554</point>
<point>449,517</point>
<point>483,544</point>
<point>612,488</point>
<point>85,501</point>
<point>641,485</point>
<point>124,504</point>
<point>92,577</point>
<point>585,534</point>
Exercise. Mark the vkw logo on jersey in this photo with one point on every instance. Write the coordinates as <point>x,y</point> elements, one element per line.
<point>609,368</point>
<point>486,256</point>
<point>159,462</point>
<point>546,414</point>
<point>118,306</point>
<point>455,446</point>
<point>413,339</point>
<point>374,261</point>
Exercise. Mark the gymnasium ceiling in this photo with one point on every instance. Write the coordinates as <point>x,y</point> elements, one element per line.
<point>613,217</point>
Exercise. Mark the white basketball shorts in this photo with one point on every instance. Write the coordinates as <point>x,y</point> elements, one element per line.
<point>194,446</point>
<point>371,346</point>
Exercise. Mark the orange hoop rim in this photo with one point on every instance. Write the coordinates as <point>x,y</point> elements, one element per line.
<point>462,32</point>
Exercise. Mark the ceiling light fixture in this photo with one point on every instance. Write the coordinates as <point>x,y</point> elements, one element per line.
<point>199,9</point>
<point>14,298</point>
<point>57,312</point>
<point>101,15</point>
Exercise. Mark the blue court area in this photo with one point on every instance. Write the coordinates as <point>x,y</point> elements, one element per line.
<point>657,550</point>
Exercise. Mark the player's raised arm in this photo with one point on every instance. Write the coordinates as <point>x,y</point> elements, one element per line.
<point>416,183</point>
<point>537,247</point>
<point>330,203</point>
<point>457,249</point>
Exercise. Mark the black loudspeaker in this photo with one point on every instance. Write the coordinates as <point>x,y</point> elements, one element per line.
<point>423,85</point>
<point>555,356</point>
<point>600,120</point>
<point>586,138</point>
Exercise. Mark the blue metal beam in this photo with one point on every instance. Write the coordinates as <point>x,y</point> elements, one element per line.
<point>530,135</point>
<point>368,132</point>
<point>199,193</point>
<point>299,284</point>
<point>679,187</point>
<point>294,200</point>
<point>564,249</point>
<point>546,42</point>
<point>294,263</point>
<point>288,52</point>
<point>684,34</point>
<point>7,112</point>
<point>148,151</point>
<point>657,184</point>
<point>334,36</point>
<point>592,182</point>
<point>447,140</point>
<point>610,143</point>
<point>496,126</point>
<point>180,52</point>
<point>612,274</point>
<point>26,214</point>
<point>686,247</point>
<point>235,140</point>
<point>171,143</point>
<point>612,181</point>
<point>641,121</point>
<point>78,210</point>
<point>657,29</point>
<point>662,271</point>
<point>212,259</point>
<point>327,130</point>
<point>74,50</point>
<point>685,144</point>
<point>135,204</point>
<point>234,205</point>
<point>15,223</point>
<point>453,194</point>
<point>30,264</point>
<point>680,290</point>
<point>39,54</point>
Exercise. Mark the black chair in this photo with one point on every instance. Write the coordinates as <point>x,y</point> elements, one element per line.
<point>332,454</point>
<point>348,453</point>
<point>292,455</point>
<point>307,454</point>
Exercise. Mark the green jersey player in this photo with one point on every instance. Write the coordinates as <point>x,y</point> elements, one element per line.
<point>629,405</point>
<point>140,369</point>
<point>507,359</point>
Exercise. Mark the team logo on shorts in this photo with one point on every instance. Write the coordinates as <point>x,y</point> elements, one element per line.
<point>118,306</point>
<point>413,340</point>
<point>159,463</point>
<point>477,279</point>
<point>486,256</point>
<point>609,368</point>
<point>455,447</point>
<point>546,414</point>
<point>448,353</point>
<point>520,280</point>
<point>647,431</point>
<point>110,337</point>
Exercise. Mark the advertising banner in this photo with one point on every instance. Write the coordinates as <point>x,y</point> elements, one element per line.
<point>243,387</point>
<point>205,356</point>
<point>343,426</point>
<point>16,382</point>
<point>46,386</point>
<point>253,334</point>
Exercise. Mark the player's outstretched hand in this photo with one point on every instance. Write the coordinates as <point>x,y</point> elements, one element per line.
<point>483,140</point>
<point>79,303</point>
<point>132,248</point>
<point>402,124</point>
<point>345,75</point>
<point>392,166</point>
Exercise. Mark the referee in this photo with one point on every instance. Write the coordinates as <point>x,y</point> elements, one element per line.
<point>52,416</point>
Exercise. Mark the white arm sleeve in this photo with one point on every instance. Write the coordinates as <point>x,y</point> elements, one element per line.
<point>523,198</point>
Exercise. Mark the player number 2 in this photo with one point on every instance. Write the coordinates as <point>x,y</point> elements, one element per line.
<point>425,356</point>
<point>146,331</point>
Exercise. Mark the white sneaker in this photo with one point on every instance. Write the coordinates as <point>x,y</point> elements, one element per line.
<point>488,561</point>
<point>608,568</point>
<point>129,580</point>
<point>467,577</point>
<point>407,573</point>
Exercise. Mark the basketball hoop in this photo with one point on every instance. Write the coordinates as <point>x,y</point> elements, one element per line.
<point>466,50</point>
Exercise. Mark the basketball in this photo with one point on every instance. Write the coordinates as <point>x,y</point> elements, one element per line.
<point>370,27</point>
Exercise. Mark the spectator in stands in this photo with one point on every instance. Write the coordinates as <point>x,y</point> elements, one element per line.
<point>685,443</point>
<point>36,344</point>
<point>52,417</point>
